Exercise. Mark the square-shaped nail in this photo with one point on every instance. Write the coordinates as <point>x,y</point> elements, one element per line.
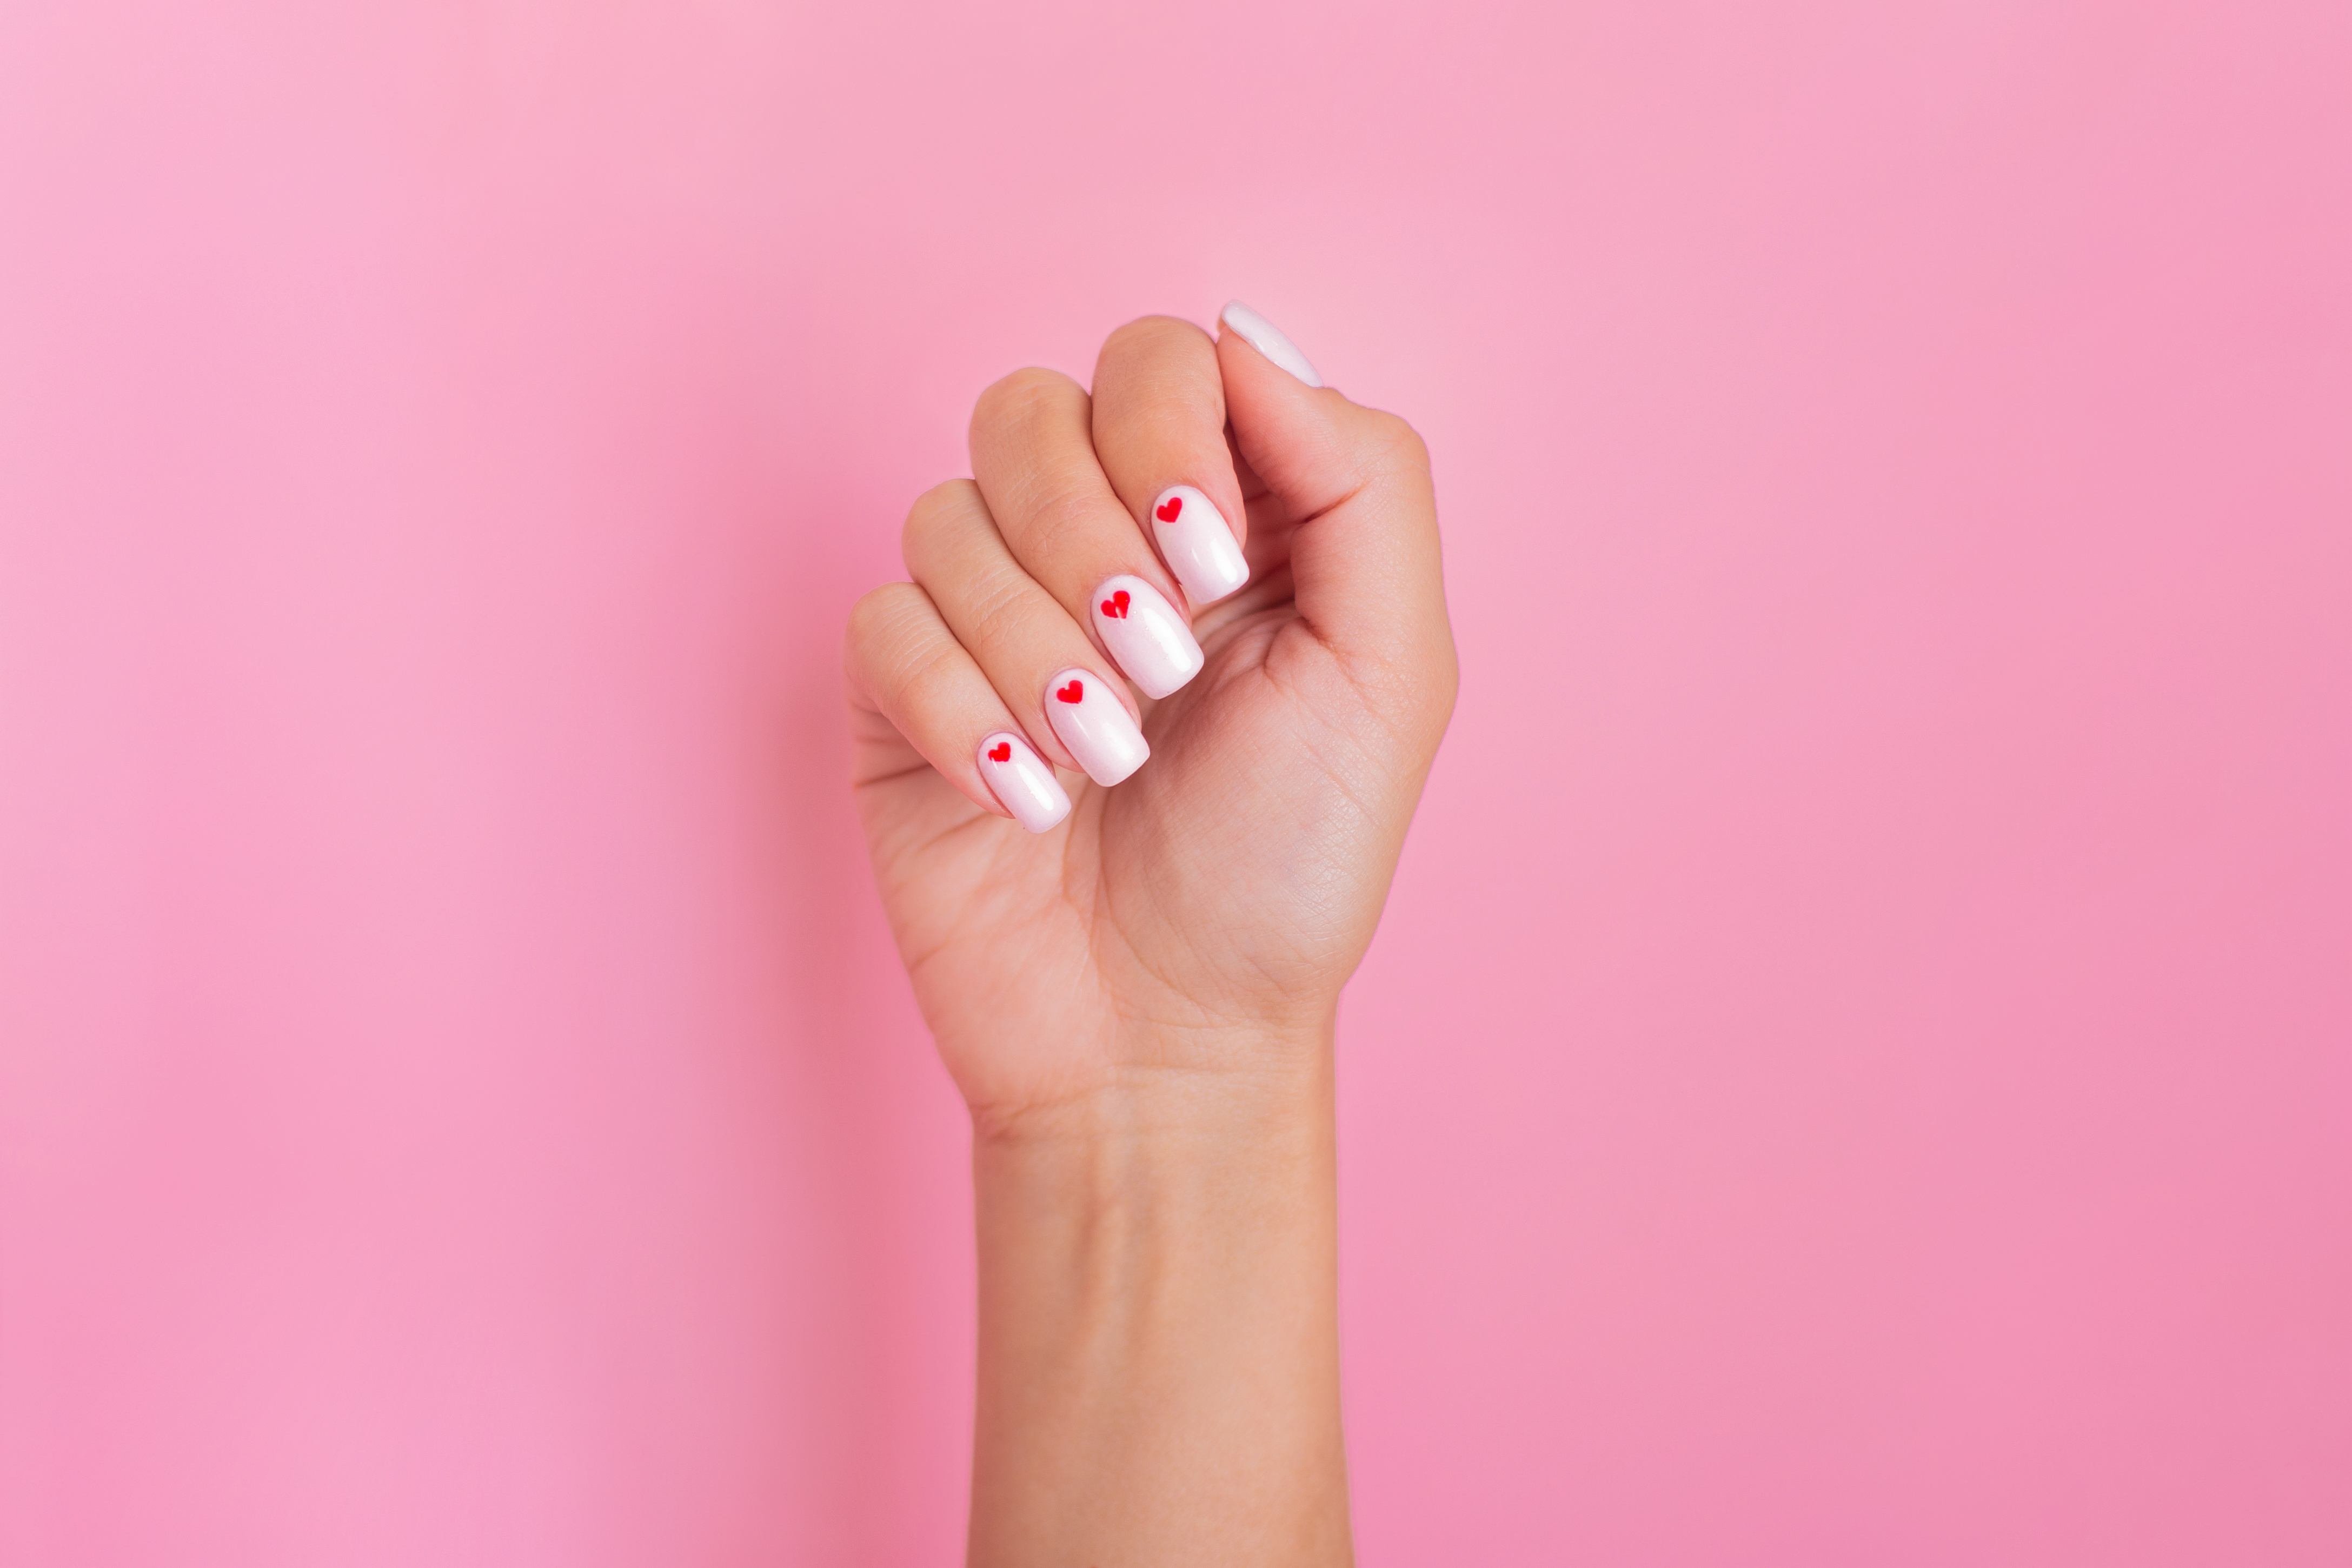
<point>1198,544</point>
<point>1019,779</point>
<point>1152,643</point>
<point>1096,725</point>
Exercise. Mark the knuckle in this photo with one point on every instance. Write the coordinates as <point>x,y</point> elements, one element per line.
<point>997,609</point>
<point>927,678</point>
<point>1160,368</point>
<point>935,683</point>
<point>936,513</point>
<point>1024,397</point>
<point>1064,510</point>
<point>876,609</point>
<point>875,620</point>
<point>1146,334</point>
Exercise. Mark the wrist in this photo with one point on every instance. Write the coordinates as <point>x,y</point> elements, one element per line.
<point>1166,1093</point>
<point>1159,1312</point>
<point>1161,1161</point>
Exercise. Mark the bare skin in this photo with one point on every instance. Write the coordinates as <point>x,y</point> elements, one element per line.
<point>1137,1005</point>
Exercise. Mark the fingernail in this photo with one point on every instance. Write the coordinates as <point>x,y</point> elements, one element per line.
<point>1266,338</point>
<point>1023,782</point>
<point>1094,724</point>
<point>1198,544</point>
<point>1145,634</point>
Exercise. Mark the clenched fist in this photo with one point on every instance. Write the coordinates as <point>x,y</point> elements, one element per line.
<point>1213,590</point>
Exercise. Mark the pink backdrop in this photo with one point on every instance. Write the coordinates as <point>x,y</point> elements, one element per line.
<point>1858,1067</point>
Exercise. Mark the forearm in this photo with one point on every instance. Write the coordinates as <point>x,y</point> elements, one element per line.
<point>1158,1339</point>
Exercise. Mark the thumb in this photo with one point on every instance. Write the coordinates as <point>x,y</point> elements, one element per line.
<point>1365,559</point>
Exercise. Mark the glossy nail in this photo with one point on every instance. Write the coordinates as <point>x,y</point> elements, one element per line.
<point>1023,782</point>
<point>1096,725</point>
<point>1144,632</point>
<point>1197,544</point>
<point>1266,338</point>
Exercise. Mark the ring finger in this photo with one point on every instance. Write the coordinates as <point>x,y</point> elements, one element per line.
<point>1049,675</point>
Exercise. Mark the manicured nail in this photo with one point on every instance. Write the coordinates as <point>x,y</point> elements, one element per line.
<point>1266,338</point>
<point>1094,724</point>
<point>1146,635</point>
<point>1023,782</point>
<point>1197,544</point>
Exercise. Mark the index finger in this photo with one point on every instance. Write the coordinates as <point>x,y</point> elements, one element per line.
<point>1160,435</point>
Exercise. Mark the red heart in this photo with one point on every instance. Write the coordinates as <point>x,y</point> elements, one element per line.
<point>1169,509</point>
<point>1116,605</point>
<point>1000,752</point>
<point>1071,692</point>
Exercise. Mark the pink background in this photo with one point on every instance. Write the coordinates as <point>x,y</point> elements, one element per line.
<point>1858,1067</point>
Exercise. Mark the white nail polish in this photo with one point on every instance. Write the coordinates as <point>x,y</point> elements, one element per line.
<point>1094,724</point>
<point>1023,782</point>
<point>1266,338</point>
<point>1151,642</point>
<point>1198,544</point>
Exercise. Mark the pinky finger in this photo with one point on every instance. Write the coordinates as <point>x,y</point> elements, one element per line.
<point>904,666</point>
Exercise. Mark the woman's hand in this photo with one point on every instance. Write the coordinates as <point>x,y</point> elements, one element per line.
<point>1136,996</point>
<point>1204,909</point>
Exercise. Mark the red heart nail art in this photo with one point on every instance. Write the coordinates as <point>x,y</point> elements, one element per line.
<point>1116,605</point>
<point>1169,509</point>
<point>1000,752</point>
<point>1071,692</point>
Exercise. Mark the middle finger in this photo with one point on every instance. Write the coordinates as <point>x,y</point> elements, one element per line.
<point>1034,461</point>
<point>1032,652</point>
